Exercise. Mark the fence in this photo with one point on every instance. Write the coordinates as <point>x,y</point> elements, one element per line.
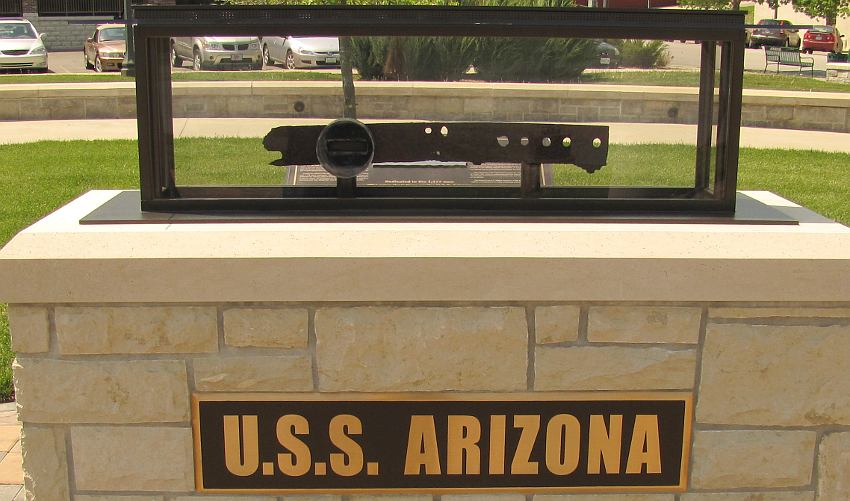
<point>11,8</point>
<point>79,7</point>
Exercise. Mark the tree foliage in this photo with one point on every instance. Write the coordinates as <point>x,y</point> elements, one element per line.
<point>707,4</point>
<point>830,10</point>
<point>727,4</point>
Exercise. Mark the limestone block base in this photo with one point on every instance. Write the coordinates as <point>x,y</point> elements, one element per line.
<point>116,327</point>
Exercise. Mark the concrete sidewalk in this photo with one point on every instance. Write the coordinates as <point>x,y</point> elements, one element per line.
<point>11,473</point>
<point>620,133</point>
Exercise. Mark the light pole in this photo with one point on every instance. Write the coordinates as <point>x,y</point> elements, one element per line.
<point>128,67</point>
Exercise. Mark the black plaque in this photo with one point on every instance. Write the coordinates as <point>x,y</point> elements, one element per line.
<point>587,442</point>
<point>422,174</point>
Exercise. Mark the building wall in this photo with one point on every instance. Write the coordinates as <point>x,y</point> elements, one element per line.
<point>66,33</point>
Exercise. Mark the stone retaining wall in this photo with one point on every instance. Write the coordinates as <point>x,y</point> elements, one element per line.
<point>433,101</point>
<point>103,391</point>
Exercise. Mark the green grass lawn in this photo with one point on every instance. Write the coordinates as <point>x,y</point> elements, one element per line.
<point>675,78</point>
<point>37,178</point>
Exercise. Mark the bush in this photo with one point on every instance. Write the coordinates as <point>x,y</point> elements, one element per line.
<point>642,53</point>
<point>411,58</point>
<point>447,58</point>
<point>533,59</point>
<point>368,56</point>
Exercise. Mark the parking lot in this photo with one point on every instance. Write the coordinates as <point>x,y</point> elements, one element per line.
<point>684,55</point>
<point>72,62</point>
<point>687,55</point>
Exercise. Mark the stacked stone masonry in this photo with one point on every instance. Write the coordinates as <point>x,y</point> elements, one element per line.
<point>108,381</point>
<point>426,101</point>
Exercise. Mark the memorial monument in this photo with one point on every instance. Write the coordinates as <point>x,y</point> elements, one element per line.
<point>474,338</point>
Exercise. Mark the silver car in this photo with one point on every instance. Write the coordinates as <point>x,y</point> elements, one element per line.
<point>208,52</point>
<point>301,52</point>
<point>21,47</point>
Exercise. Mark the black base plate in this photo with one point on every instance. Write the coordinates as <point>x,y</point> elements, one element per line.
<point>124,209</point>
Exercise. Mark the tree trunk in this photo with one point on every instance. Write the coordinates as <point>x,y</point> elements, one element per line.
<point>736,4</point>
<point>349,106</point>
<point>830,19</point>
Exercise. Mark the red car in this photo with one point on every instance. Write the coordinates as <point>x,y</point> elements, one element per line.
<point>825,38</point>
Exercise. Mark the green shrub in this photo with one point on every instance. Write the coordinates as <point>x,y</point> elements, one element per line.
<point>432,58</point>
<point>412,58</point>
<point>448,58</point>
<point>533,59</point>
<point>368,56</point>
<point>642,53</point>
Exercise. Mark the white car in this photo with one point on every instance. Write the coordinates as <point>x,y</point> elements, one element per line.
<point>301,52</point>
<point>207,52</point>
<point>21,47</point>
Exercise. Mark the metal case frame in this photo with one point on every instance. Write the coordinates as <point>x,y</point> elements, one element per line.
<point>723,31</point>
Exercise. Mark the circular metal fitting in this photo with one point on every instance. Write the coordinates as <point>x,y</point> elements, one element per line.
<point>345,148</point>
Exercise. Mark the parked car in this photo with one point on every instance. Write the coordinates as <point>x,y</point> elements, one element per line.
<point>774,32</point>
<point>824,38</point>
<point>301,52</point>
<point>607,55</point>
<point>106,47</point>
<point>209,52</point>
<point>21,47</point>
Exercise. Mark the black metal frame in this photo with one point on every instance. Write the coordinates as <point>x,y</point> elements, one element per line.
<point>723,30</point>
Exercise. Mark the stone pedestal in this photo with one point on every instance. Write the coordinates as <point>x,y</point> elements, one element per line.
<point>115,326</point>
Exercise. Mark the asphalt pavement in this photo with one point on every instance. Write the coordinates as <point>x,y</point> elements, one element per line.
<point>72,62</point>
<point>687,55</point>
<point>683,56</point>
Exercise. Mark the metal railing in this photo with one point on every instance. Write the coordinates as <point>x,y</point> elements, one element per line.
<point>11,8</point>
<point>79,7</point>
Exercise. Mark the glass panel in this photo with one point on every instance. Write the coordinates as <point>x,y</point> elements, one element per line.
<point>644,91</point>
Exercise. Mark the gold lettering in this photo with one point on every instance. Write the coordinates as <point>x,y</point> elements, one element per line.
<point>462,452</point>
<point>497,445</point>
<point>563,442</point>
<point>350,461</point>
<point>604,444</point>
<point>298,461</point>
<point>422,447</point>
<point>241,451</point>
<point>530,427</point>
<point>646,446</point>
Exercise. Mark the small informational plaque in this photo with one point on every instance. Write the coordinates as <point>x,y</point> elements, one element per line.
<point>421,174</point>
<point>438,443</point>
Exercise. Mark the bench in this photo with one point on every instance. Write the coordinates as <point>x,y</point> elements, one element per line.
<point>787,57</point>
